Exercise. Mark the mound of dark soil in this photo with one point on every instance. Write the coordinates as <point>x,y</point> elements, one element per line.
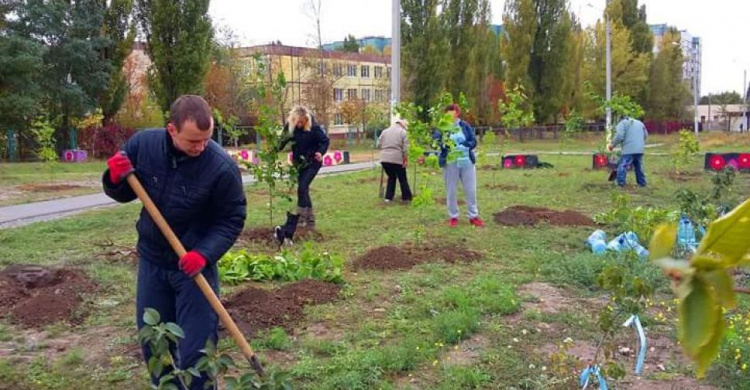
<point>529,216</point>
<point>256,309</point>
<point>35,296</point>
<point>405,257</point>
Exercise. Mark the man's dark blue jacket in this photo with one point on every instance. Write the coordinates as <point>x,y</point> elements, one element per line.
<point>201,197</point>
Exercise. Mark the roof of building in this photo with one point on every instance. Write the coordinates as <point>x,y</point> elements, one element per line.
<point>294,51</point>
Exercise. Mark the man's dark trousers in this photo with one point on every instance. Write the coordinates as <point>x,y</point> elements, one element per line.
<point>636,160</point>
<point>178,299</point>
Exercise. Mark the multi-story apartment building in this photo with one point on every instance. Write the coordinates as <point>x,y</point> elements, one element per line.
<point>692,51</point>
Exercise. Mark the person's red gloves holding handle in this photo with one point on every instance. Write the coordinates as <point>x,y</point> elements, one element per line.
<point>192,263</point>
<point>119,167</point>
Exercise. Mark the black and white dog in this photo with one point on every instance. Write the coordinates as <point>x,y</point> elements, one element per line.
<point>285,233</point>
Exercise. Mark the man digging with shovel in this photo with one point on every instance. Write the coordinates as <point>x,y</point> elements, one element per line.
<point>198,189</point>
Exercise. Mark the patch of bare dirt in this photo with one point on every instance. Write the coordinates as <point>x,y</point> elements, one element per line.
<point>321,331</point>
<point>662,353</point>
<point>678,383</point>
<point>256,309</point>
<point>407,256</point>
<point>467,352</point>
<point>529,216</point>
<point>34,296</point>
<point>95,343</point>
<point>548,299</point>
<point>684,176</point>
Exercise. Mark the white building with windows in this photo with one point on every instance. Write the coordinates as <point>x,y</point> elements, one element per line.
<point>692,50</point>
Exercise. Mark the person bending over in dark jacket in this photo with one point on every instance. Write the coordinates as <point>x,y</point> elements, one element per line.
<point>309,144</point>
<point>198,189</point>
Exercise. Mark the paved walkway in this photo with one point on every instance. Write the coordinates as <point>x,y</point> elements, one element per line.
<point>575,153</point>
<point>24,214</point>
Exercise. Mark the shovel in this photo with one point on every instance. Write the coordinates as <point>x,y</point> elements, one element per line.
<point>380,190</point>
<point>199,279</point>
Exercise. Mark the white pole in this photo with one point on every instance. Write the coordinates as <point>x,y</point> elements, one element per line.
<point>609,65</point>
<point>695,102</point>
<point>395,57</point>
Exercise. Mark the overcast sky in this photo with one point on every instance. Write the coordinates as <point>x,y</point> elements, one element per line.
<point>722,24</point>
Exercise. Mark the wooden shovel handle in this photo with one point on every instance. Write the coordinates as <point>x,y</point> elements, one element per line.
<point>199,279</point>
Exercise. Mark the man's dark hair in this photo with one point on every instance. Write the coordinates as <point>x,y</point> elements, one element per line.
<point>453,107</point>
<point>190,107</point>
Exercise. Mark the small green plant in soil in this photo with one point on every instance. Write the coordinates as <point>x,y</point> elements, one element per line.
<point>160,337</point>
<point>241,266</point>
<point>268,103</point>
<point>620,106</point>
<point>44,133</point>
<point>573,125</point>
<point>421,202</point>
<point>626,217</point>
<point>516,111</point>
<point>701,209</point>
<point>687,147</point>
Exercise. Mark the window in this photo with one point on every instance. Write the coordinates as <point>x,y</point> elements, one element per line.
<point>378,72</point>
<point>351,94</point>
<point>338,119</point>
<point>321,68</point>
<point>338,94</point>
<point>366,94</point>
<point>380,95</point>
<point>365,71</point>
<point>351,70</point>
<point>338,70</point>
<point>388,71</point>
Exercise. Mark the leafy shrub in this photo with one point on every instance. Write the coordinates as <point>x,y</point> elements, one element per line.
<point>241,266</point>
<point>103,142</point>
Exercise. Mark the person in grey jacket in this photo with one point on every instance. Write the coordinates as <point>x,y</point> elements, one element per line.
<point>632,135</point>
<point>394,155</point>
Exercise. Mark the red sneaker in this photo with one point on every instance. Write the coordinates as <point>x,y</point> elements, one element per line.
<point>476,222</point>
<point>453,222</point>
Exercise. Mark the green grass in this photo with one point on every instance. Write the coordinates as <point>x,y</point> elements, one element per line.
<point>35,172</point>
<point>390,327</point>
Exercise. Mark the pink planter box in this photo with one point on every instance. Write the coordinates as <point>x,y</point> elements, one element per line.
<point>74,155</point>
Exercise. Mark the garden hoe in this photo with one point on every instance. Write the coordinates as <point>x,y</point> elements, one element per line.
<point>199,279</point>
<point>381,194</point>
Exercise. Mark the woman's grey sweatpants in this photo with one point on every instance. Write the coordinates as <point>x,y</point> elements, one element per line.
<point>452,174</point>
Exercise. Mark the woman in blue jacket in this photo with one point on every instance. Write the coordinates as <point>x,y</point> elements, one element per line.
<point>463,169</point>
<point>309,144</point>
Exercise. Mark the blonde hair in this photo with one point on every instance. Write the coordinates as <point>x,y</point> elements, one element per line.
<point>296,114</point>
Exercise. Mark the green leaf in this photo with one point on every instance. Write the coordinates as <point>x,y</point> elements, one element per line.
<point>663,241</point>
<point>698,317</point>
<point>711,350</point>
<point>706,263</point>
<point>151,316</point>
<point>174,329</point>
<point>728,235</point>
<point>723,287</point>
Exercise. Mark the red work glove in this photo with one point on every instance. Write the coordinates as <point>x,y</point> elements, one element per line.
<point>192,263</point>
<point>119,167</point>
